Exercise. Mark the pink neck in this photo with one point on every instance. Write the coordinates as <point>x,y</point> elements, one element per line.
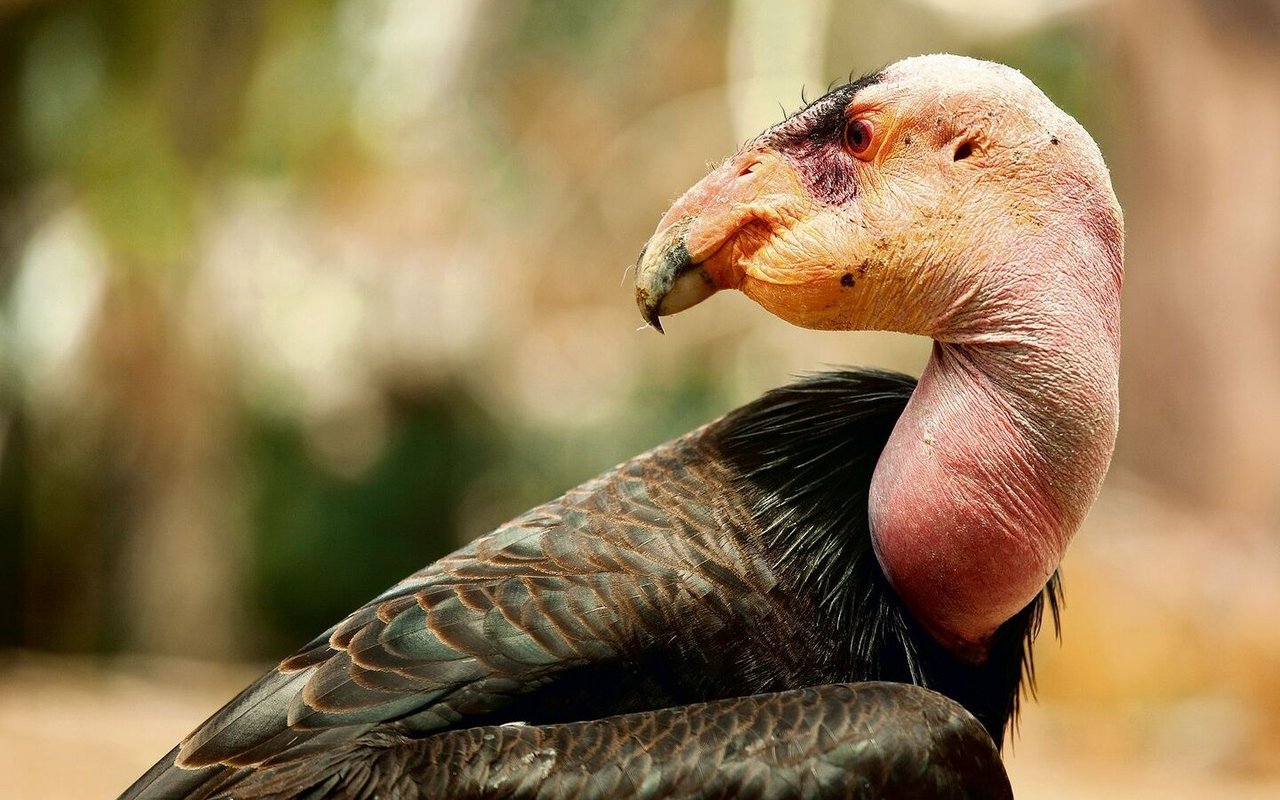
<point>1001,450</point>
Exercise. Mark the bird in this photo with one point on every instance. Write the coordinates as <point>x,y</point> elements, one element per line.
<point>831,591</point>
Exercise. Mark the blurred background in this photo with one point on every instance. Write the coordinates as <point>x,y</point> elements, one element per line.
<point>295,297</point>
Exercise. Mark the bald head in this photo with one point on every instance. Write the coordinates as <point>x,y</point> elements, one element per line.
<point>889,203</point>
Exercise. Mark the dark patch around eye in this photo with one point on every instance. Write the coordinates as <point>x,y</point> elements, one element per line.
<point>812,140</point>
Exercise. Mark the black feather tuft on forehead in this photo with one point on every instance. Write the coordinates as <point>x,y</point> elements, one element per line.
<point>824,113</point>
<point>812,139</point>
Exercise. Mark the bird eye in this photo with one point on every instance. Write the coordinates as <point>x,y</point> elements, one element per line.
<point>858,136</point>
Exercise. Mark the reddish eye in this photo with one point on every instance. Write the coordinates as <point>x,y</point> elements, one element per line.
<point>858,136</point>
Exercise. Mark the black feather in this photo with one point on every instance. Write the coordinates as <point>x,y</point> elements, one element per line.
<point>804,455</point>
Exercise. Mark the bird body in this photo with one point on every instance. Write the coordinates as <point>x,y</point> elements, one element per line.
<point>726,564</point>
<point>730,593</point>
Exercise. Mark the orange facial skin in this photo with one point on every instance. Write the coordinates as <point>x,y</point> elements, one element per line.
<point>978,214</point>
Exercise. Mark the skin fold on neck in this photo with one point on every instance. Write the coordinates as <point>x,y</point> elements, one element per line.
<point>1002,448</point>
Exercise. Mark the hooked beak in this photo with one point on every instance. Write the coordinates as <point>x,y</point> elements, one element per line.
<point>667,279</point>
<point>692,255</point>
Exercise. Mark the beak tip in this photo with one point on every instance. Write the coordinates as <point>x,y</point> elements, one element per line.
<point>662,270</point>
<point>649,309</point>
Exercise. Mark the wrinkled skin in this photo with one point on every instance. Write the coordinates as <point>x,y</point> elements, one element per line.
<point>980,215</point>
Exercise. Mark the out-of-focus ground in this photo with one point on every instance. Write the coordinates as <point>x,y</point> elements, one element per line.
<point>296,296</point>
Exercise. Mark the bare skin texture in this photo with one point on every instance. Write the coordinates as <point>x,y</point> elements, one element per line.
<point>971,210</point>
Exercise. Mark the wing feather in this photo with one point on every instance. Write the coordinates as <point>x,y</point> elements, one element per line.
<point>856,742</point>
<point>610,570</point>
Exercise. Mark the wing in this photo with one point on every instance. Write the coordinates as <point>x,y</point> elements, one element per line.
<point>868,740</point>
<point>626,565</point>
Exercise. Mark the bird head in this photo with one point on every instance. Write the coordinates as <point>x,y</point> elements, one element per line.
<point>903,201</point>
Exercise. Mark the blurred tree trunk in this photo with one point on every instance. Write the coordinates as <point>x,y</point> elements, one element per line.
<point>177,583</point>
<point>180,571</point>
<point>123,503</point>
<point>1200,192</point>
